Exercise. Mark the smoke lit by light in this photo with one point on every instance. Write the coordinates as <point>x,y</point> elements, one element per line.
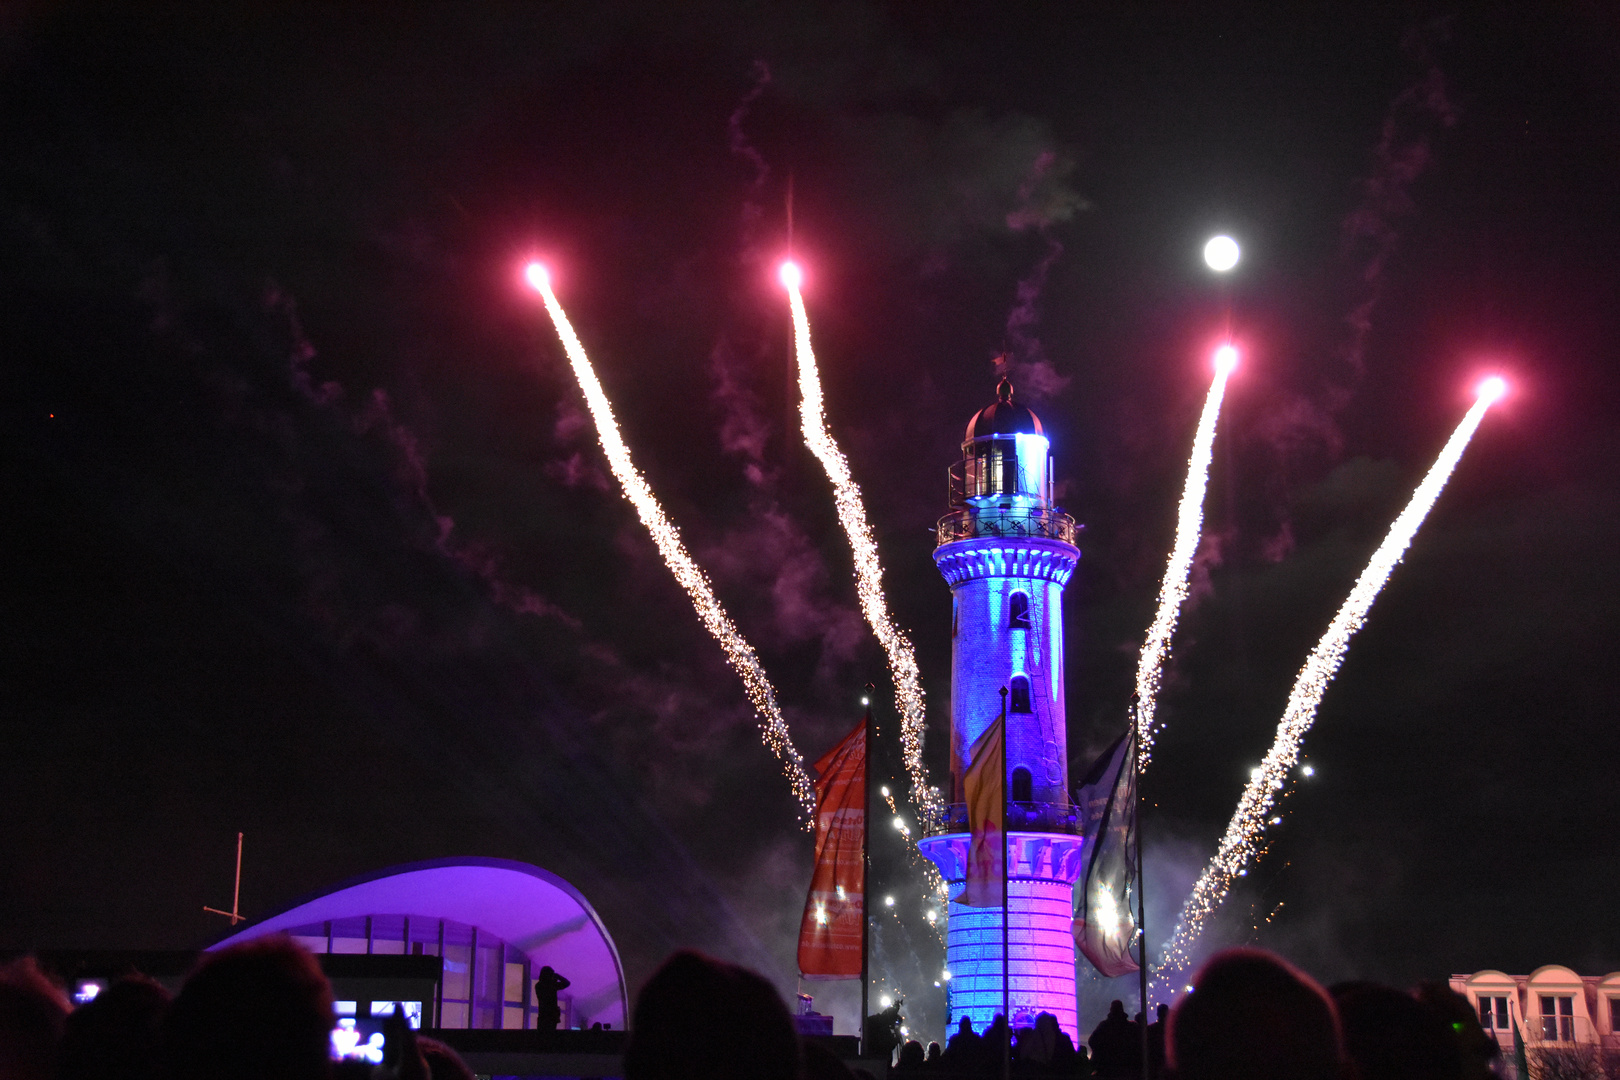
<point>741,655</point>
<point>1242,841</point>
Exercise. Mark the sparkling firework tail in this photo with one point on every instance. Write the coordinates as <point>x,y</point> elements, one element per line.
<point>868,570</point>
<point>1246,830</point>
<point>668,539</point>
<point>1173,591</point>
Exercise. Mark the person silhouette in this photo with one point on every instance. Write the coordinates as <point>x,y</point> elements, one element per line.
<point>1111,1043</point>
<point>547,1010</point>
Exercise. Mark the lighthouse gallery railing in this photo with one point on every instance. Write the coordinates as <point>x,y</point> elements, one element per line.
<point>1006,524</point>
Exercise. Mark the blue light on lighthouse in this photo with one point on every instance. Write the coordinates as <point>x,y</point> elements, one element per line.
<point>1007,552</point>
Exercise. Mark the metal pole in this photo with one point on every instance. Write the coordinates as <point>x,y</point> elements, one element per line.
<point>1006,871</point>
<point>866,853</point>
<point>236,894</point>
<point>1141,907</point>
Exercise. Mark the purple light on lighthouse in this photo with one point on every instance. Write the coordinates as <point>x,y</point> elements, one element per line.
<point>1007,552</point>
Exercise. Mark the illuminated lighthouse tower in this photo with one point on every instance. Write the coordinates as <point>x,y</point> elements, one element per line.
<point>1007,552</point>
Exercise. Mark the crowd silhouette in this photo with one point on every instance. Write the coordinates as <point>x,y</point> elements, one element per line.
<point>263,1011</point>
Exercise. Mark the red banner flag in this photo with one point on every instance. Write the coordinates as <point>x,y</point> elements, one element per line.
<point>830,933</point>
<point>984,791</point>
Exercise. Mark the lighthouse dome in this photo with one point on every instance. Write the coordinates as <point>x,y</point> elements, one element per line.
<point>1005,417</point>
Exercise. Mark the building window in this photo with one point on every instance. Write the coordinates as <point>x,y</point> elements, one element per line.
<point>1022,786</point>
<point>1019,701</point>
<point>1493,1013</point>
<point>1018,611</point>
<point>1614,1014</point>
<point>1557,1018</point>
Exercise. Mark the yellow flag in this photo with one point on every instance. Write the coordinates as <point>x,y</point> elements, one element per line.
<point>983,789</point>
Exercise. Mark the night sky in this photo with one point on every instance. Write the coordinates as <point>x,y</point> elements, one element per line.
<point>307,533</point>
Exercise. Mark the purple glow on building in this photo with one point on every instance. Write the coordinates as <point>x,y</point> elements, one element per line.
<point>1007,552</point>
<point>527,917</point>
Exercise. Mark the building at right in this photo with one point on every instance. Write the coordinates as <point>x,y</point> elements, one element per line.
<point>1558,1013</point>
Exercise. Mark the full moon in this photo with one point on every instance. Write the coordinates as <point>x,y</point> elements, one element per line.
<point>1221,253</point>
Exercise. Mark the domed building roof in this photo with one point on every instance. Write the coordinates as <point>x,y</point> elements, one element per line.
<point>1004,417</point>
<point>532,911</point>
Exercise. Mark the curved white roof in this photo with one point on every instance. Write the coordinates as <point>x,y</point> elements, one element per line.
<point>529,908</point>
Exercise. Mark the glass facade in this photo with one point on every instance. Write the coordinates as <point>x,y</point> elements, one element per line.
<point>486,982</point>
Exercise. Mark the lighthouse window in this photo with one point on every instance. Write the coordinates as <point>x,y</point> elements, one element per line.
<point>1018,699</point>
<point>1018,611</point>
<point>1022,787</point>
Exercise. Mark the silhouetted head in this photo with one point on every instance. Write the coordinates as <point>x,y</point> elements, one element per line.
<point>33,1011</point>
<point>911,1055</point>
<point>1392,1036</point>
<point>701,1017</point>
<point>965,1026</point>
<point>117,1035</point>
<point>1253,1016</point>
<point>820,1063</point>
<point>443,1063</point>
<point>1163,1011</point>
<point>1041,1042</point>
<point>1476,1048</point>
<point>1116,1011</point>
<point>935,1051</point>
<point>257,1011</point>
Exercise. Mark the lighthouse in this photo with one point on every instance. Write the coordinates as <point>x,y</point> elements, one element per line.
<point>1007,552</point>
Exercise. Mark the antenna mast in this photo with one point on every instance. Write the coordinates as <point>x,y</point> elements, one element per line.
<point>235,914</point>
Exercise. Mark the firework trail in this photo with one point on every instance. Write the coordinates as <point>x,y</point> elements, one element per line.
<point>1244,833</point>
<point>1173,591</point>
<point>868,570</point>
<point>668,539</point>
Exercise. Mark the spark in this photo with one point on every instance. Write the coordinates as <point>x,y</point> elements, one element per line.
<point>741,655</point>
<point>1173,591</point>
<point>868,569</point>
<point>1245,833</point>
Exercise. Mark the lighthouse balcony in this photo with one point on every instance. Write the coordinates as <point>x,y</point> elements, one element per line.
<point>1012,523</point>
<point>1021,817</point>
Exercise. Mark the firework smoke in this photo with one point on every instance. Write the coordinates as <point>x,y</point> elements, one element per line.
<point>668,539</point>
<point>1247,827</point>
<point>1173,591</point>
<point>908,693</point>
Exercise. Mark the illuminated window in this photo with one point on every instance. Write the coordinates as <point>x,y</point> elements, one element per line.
<point>1022,786</point>
<point>1018,611</point>
<point>1018,700</point>
<point>1557,1018</point>
<point>1493,1013</point>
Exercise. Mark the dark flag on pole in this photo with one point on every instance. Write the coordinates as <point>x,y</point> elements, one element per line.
<point>1104,922</point>
<point>830,941</point>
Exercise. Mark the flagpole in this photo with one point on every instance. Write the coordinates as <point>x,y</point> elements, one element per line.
<point>866,846</point>
<point>1141,906</point>
<point>1006,871</point>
